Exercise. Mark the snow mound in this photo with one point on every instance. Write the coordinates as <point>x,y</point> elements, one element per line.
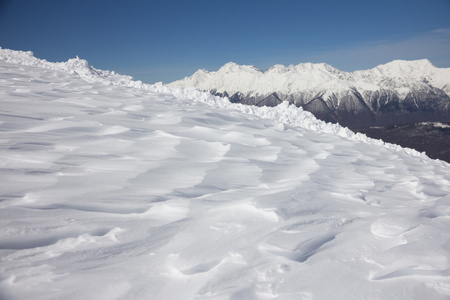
<point>75,66</point>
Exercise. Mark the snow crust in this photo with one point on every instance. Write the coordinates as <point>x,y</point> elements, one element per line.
<point>114,189</point>
<point>399,75</point>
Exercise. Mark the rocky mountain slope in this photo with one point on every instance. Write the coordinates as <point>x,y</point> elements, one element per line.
<point>399,92</point>
<point>433,138</point>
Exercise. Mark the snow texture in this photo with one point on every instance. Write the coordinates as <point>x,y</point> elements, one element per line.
<point>114,189</point>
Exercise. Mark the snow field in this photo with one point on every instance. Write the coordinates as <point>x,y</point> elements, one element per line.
<point>150,192</point>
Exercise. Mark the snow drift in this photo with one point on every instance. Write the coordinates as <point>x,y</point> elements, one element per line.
<point>114,189</point>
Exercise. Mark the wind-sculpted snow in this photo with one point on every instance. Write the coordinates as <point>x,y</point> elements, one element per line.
<point>284,113</point>
<point>76,66</point>
<point>116,191</point>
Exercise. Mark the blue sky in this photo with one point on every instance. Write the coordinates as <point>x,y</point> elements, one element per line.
<point>166,40</point>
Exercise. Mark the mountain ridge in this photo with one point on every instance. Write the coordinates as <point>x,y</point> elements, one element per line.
<point>416,70</point>
<point>410,91</point>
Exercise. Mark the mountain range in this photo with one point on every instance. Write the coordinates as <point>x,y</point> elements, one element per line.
<point>399,92</point>
<point>389,102</point>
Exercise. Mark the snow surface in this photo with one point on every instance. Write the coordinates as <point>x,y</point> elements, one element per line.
<point>399,75</point>
<point>113,189</point>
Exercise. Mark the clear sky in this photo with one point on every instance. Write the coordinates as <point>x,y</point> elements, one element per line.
<point>166,40</point>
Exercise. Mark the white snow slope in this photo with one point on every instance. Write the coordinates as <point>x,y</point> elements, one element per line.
<point>112,189</point>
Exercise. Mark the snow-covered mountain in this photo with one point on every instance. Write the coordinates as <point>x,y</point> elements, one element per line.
<point>114,189</point>
<point>404,91</point>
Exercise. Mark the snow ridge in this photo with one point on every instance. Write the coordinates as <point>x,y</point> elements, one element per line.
<point>75,66</point>
<point>284,113</point>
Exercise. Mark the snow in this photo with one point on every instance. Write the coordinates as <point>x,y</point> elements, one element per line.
<point>436,124</point>
<point>235,78</point>
<point>114,189</point>
<point>309,78</point>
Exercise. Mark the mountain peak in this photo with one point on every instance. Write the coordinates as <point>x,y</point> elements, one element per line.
<point>229,65</point>
<point>406,67</point>
<point>415,63</point>
<point>232,67</point>
<point>279,69</point>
